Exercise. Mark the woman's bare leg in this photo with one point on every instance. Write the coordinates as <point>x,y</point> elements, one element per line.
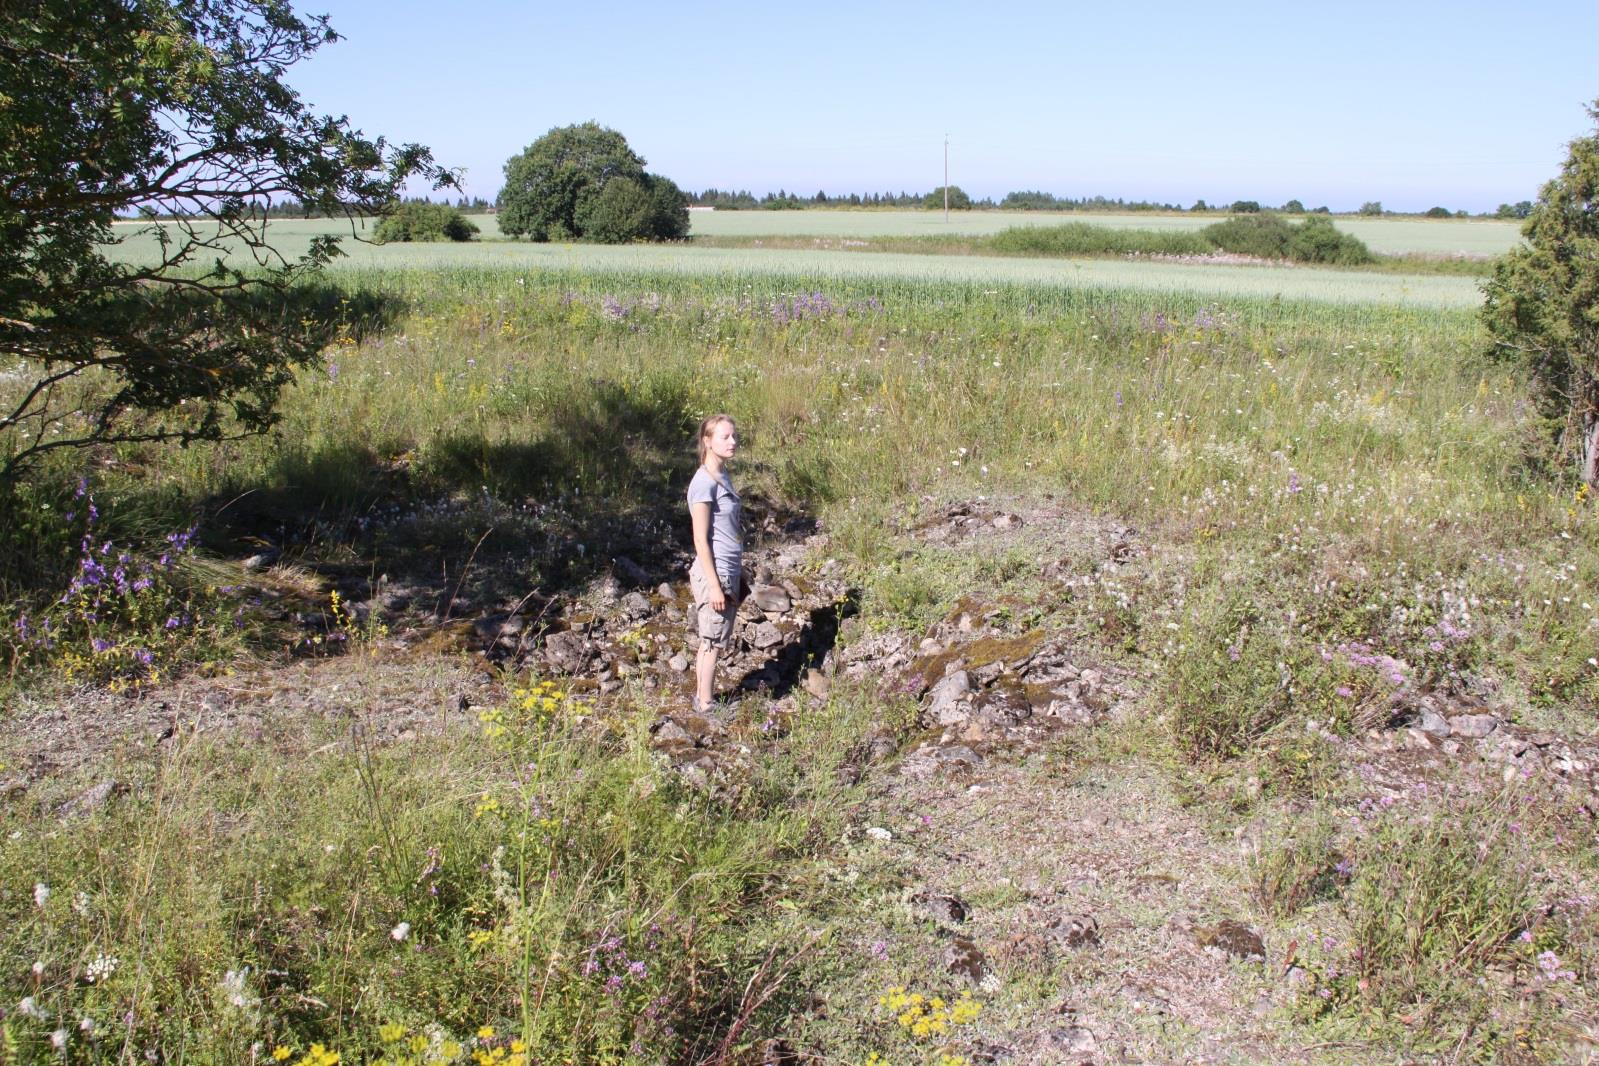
<point>704,674</point>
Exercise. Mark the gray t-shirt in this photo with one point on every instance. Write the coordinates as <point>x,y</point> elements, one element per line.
<point>727,522</point>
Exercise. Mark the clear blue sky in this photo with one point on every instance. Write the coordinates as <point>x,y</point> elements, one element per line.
<point>1463,105</point>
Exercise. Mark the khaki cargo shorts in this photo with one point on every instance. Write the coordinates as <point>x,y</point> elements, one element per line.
<point>715,628</point>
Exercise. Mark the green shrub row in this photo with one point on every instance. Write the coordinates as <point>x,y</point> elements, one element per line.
<point>1265,236</point>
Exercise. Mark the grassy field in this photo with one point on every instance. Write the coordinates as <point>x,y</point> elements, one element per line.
<point>1325,474</point>
<point>730,266</point>
<point>1387,236</point>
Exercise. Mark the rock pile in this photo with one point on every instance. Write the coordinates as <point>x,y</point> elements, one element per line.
<point>616,634</point>
<point>983,687</point>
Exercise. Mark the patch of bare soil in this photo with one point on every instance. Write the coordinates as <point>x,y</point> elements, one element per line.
<point>58,741</point>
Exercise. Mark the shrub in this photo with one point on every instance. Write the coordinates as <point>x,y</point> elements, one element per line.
<point>1268,236</point>
<point>1540,305</point>
<point>1440,212</point>
<point>1317,240</point>
<point>419,220</point>
<point>1265,236</point>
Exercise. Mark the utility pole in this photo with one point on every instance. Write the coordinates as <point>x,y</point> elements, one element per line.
<point>946,177</point>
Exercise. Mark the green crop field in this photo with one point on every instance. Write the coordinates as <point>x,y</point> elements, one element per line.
<point>822,265</point>
<point>1388,236</point>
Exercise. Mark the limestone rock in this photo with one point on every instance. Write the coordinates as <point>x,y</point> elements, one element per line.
<point>567,652</point>
<point>948,705</point>
<point>963,959</point>
<point>630,572</point>
<point>261,560</point>
<point>702,727</point>
<point>1234,939</point>
<point>89,800</point>
<point>958,755</point>
<point>1472,726</point>
<point>1433,724</point>
<point>1072,1040</point>
<point>765,635</point>
<point>1076,931</point>
<point>773,599</point>
<point>942,907</point>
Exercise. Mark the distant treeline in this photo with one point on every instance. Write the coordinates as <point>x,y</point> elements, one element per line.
<point>1025,200</point>
<point>295,209</point>
<point>1034,200</point>
<point>783,200</point>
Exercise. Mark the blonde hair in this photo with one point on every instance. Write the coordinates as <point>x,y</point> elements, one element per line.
<point>707,427</point>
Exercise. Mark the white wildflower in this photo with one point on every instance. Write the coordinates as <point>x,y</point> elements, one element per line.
<point>58,1040</point>
<point>235,987</point>
<point>401,931</point>
<point>101,968</point>
<point>41,894</point>
<point>29,1007</point>
<point>877,832</point>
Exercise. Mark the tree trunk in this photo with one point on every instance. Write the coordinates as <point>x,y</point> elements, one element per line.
<point>1590,448</point>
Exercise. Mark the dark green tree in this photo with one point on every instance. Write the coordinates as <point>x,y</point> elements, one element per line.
<point>558,185</point>
<point>958,200</point>
<point>1542,305</point>
<point>617,213</point>
<point>175,108</point>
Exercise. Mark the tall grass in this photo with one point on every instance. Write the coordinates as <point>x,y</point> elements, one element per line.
<point>545,882</point>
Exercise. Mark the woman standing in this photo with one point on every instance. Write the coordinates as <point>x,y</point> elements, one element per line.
<point>716,575</point>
